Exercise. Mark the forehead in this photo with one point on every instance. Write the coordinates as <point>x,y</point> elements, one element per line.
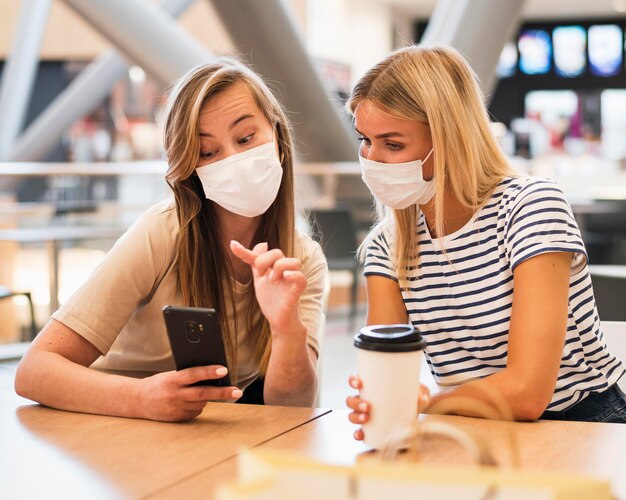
<point>230,104</point>
<point>369,115</point>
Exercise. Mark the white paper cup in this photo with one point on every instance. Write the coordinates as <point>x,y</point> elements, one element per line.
<point>389,359</point>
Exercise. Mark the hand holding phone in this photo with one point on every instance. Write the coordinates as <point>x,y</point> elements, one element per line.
<point>196,340</point>
<point>174,396</point>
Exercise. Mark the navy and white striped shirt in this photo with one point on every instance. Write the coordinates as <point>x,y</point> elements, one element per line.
<point>461,297</point>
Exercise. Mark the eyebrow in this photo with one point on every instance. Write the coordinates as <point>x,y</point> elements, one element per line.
<point>231,126</point>
<point>386,135</point>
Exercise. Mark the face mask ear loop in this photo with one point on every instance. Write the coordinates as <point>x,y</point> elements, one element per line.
<point>428,155</point>
<point>276,141</point>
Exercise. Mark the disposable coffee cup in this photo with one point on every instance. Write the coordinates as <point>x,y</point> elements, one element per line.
<point>389,359</point>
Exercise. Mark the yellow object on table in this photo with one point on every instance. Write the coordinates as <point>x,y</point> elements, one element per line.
<point>267,474</point>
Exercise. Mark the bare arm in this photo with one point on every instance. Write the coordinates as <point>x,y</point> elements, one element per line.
<point>535,344</point>
<point>55,372</point>
<point>536,340</point>
<point>291,377</point>
<point>385,305</point>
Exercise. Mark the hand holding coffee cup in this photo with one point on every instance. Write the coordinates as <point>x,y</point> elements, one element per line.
<point>361,408</point>
<point>389,360</point>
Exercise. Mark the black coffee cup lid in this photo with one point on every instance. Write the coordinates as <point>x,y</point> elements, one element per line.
<point>389,338</point>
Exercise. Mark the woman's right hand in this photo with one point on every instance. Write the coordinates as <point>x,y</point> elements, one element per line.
<point>170,397</point>
<point>361,408</point>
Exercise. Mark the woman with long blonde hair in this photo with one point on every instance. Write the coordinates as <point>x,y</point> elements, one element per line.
<point>488,265</point>
<point>227,241</point>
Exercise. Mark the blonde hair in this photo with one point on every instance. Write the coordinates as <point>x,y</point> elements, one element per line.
<point>437,87</point>
<point>204,269</point>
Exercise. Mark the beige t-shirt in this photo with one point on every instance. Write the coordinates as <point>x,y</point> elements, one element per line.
<point>119,308</point>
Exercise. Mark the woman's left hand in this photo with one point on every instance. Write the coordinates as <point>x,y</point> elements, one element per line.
<point>278,283</point>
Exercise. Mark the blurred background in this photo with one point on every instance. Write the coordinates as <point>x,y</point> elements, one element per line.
<point>82,85</point>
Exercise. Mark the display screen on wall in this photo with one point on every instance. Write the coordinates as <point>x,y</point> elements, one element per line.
<point>605,49</point>
<point>570,50</point>
<point>535,52</point>
<point>570,53</point>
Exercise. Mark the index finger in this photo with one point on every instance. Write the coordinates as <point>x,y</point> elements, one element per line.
<point>246,255</point>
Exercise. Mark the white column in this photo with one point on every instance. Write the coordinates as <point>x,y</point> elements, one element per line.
<point>81,97</point>
<point>145,34</point>
<point>264,34</point>
<point>476,28</point>
<point>19,71</point>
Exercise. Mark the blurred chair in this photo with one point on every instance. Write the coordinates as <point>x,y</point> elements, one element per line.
<point>335,231</point>
<point>615,337</point>
<point>7,293</point>
<point>609,290</point>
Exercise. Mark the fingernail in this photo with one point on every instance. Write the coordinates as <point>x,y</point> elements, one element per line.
<point>363,406</point>
<point>361,418</point>
<point>236,394</point>
<point>222,371</point>
<point>265,246</point>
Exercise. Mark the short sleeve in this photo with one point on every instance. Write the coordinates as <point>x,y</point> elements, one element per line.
<point>126,277</point>
<point>378,260</point>
<point>315,270</point>
<point>540,220</point>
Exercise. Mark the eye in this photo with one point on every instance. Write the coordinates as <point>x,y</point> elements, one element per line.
<point>246,139</point>
<point>364,139</point>
<point>207,155</point>
<point>395,146</point>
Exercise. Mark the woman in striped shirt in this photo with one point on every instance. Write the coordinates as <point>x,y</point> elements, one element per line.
<point>489,266</point>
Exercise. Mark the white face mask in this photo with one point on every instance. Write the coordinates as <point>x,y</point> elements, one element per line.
<point>398,185</point>
<point>246,183</point>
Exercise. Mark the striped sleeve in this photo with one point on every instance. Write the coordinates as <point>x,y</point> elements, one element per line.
<point>378,261</point>
<point>539,220</point>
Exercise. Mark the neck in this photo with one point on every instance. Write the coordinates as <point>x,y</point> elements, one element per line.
<point>455,215</point>
<point>242,229</point>
<point>236,227</point>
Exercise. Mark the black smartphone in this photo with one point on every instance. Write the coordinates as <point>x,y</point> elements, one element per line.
<point>196,340</point>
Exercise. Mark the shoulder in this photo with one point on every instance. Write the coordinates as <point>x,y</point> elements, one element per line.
<point>380,238</point>
<point>519,189</point>
<point>163,212</point>
<point>160,218</point>
<point>308,251</point>
<point>155,230</point>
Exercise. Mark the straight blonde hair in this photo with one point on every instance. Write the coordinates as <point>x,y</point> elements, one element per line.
<point>204,269</point>
<point>435,86</point>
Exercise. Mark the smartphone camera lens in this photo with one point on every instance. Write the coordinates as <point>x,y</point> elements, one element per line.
<point>193,332</point>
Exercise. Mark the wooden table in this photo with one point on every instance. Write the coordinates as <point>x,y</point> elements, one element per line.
<point>48,453</point>
<point>568,447</point>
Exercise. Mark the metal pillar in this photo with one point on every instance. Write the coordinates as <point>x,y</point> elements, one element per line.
<point>20,70</point>
<point>265,35</point>
<point>476,28</point>
<point>81,97</point>
<point>145,34</point>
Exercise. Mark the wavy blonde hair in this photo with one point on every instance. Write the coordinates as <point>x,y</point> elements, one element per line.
<point>437,87</point>
<point>204,269</point>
